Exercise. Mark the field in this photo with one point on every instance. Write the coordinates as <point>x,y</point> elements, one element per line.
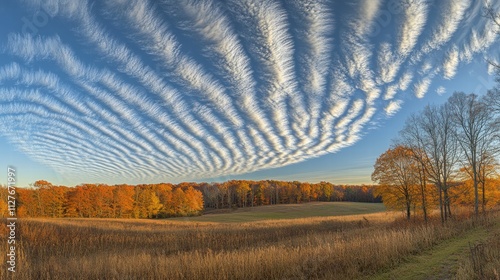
<point>288,211</point>
<point>364,246</point>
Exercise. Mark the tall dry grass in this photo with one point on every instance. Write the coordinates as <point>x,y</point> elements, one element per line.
<point>482,261</point>
<point>314,248</point>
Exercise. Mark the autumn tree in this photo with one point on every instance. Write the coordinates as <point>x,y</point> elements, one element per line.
<point>41,200</point>
<point>242,189</point>
<point>147,204</point>
<point>262,196</point>
<point>3,201</point>
<point>194,201</point>
<point>179,202</point>
<point>102,198</point>
<point>28,203</point>
<point>164,193</point>
<point>54,199</point>
<point>396,173</point>
<point>488,181</point>
<point>488,175</point>
<point>305,189</point>
<point>79,202</point>
<point>154,205</point>
<point>123,201</point>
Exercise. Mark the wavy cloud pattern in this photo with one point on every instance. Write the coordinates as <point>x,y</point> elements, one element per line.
<point>174,90</point>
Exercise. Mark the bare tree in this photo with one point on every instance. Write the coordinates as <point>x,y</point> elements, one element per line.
<point>422,179</point>
<point>493,15</point>
<point>488,168</point>
<point>474,133</point>
<point>430,136</point>
<point>492,100</point>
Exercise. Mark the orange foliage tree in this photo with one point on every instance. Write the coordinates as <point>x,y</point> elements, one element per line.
<point>3,201</point>
<point>103,201</point>
<point>396,172</point>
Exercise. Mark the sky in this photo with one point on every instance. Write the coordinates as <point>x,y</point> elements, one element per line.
<point>140,91</point>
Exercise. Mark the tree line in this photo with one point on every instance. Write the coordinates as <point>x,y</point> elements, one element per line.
<point>44,199</point>
<point>244,193</point>
<point>446,154</point>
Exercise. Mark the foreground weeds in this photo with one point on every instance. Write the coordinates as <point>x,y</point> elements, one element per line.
<point>315,248</point>
<point>483,259</point>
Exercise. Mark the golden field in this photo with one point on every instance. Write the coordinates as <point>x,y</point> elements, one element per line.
<point>346,247</point>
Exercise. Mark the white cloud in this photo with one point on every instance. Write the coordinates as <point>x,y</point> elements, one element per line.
<point>452,12</point>
<point>392,108</point>
<point>479,41</point>
<point>391,92</point>
<point>405,80</point>
<point>450,63</point>
<point>415,16</point>
<point>368,10</point>
<point>441,90</point>
<point>426,67</point>
<point>388,64</point>
<point>421,88</point>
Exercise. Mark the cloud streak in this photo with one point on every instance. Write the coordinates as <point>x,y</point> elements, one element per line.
<point>172,91</point>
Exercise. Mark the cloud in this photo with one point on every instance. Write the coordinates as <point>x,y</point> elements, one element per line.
<point>388,64</point>
<point>452,12</point>
<point>450,63</point>
<point>368,10</point>
<point>479,41</point>
<point>171,91</point>
<point>415,16</point>
<point>421,87</point>
<point>391,91</point>
<point>441,90</point>
<point>392,108</point>
<point>405,80</point>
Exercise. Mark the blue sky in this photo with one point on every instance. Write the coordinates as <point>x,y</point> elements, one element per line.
<point>168,91</point>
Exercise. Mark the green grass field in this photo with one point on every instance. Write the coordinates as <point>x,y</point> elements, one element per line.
<point>289,211</point>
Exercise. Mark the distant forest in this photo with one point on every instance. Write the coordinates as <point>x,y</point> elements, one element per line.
<point>164,200</point>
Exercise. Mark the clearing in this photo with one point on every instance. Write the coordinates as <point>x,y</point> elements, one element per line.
<point>289,211</point>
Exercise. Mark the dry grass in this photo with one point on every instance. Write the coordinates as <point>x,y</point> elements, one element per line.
<point>315,248</point>
<point>483,260</point>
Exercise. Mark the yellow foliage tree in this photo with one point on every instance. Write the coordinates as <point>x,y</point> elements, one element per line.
<point>396,172</point>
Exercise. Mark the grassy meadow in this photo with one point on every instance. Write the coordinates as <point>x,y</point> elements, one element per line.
<point>287,211</point>
<point>361,246</point>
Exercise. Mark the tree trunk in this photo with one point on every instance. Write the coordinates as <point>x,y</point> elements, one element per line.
<point>423,187</point>
<point>408,205</point>
<point>424,207</point>
<point>447,207</point>
<point>476,193</point>
<point>484,196</point>
<point>408,210</point>
<point>441,209</point>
